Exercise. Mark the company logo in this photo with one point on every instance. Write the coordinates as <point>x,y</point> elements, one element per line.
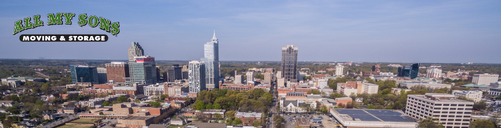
<point>66,18</point>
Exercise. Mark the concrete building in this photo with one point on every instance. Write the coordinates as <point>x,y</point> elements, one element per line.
<point>433,72</point>
<point>135,50</point>
<point>211,61</point>
<point>339,70</point>
<point>289,63</point>
<point>116,72</point>
<point>370,88</point>
<point>281,82</point>
<point>239,79</point>
<point>485,79</point>
<point>184,72</point>
<point>154,90</point>
<point>495,84</point>
<point>174,73</point>
<point>197,76</point>
<point>473,95</point>
<point>143,70</point>
<point>250,76</point>
<point>442,107</point>
<point>135,121</point>
<point>267,78</point>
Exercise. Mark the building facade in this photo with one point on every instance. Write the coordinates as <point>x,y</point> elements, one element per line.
<point>101,74</point>
<point>339,70</point>
<point>211,61</point>
<point>289,63</point>
<point>442,107</point>
<point>485,79</point>
<point>143,70</point>
<point>433,72</point>
<point>135,50</point>
<point>196,76</point>
<point>476,96</point>
<point>81,73</point>
<point>117,71</point>
<point>250,76</point>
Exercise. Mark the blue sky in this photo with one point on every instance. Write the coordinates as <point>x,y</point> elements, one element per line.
<point>363,31</point>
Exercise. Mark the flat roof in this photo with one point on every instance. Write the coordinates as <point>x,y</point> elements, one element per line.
<point>138,117</point>
<point>375,115</point>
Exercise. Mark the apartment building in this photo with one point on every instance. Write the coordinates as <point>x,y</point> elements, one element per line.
<point>485,79</point>
<point>443,108</point>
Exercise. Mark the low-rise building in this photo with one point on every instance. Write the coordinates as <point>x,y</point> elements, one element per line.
<point>248,117</point>
<point>343,102</point>
<point>135,121</point>
<point>473,95</point>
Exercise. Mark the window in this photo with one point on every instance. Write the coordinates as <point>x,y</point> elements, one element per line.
<point>454,104</point>
<point>438,104</point>
<point>446,104</point>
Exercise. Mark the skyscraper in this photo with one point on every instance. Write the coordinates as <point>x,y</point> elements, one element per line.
<point>81,73</point>
<point>135,50</point>
<point>143,71</point>
<point>211,61</point>
<point>174,73</point>
<point>101,73</point>
<point>414,70</point>
<point>117,71</point>
<point>289,63</point>
<point>196,76</point>
<point>184,72</point>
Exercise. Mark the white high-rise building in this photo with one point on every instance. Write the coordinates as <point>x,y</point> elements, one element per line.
<point>135,50</point>
<point>442,107</point>
<point>370,88</point>
<point>250,76</point>
<point>339,70</point>
<point>196,76</point>
<point>211,61</point>
<point>473,95</point>
<point>433,72</point>
<point>485,79</point>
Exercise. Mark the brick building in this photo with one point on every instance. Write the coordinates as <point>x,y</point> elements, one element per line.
<point>117,71</point>
<point>248,117</point>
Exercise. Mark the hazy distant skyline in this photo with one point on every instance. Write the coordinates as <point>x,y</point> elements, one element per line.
<point>360,31</point>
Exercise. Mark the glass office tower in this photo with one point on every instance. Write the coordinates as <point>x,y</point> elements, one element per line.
<point>81,73</point>
<point>211,61</point>
<point>196,76</point>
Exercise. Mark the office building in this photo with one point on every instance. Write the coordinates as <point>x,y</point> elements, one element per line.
<point>267,78</point>
<point>184,72</point>
<point>143,70</point>
<point>117,71</point>
<point>442,107</point>
<point>135,50</point>
<point>409,71</point>
<point>485,79</point>
<point>289,63</point>
<point>339,70</point>
<point>81,73</point>
<point>196,76</point>
<point>174,73</point>
<point>476,96</point>
<point>376,68</point>
<point>239,79</point>
<point>101,74</point>
<point>211,61</point>
<point>433,72</point>
<point>250,76</point>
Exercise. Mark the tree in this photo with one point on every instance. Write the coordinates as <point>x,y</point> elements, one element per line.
<point>162,97</point>
<point>371,106</point>
<point>479,123</point>
<point>217,106</point>
<point>209,106</point>
<point>156,104</point>
<point>200,105</point>
<point>335,95</point>
<point>323,109</point>
<point>256,123</point>
<point>106,103</point>
<point>237,121</point>
<point>137,101</point>
<point>481,105</point>
<point>45,87</point>
<point>429,123</point>
<point>218,117</point>
<point>122,99</point>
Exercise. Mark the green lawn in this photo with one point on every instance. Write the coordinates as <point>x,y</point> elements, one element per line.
<point>175,126</point>
<point>84,121</point>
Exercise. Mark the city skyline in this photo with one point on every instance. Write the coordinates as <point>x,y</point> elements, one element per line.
<point>326,31</point>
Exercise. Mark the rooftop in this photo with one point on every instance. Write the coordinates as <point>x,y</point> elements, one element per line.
<point>374,115</point>
<point>138,117</point>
